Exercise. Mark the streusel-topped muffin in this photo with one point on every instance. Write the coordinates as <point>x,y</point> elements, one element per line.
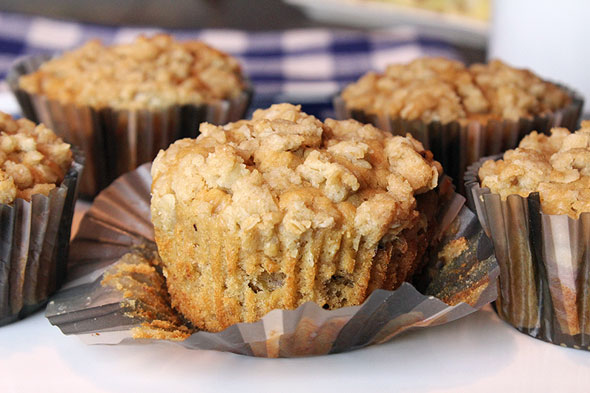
<point>33,160</point>
<point>534,204</point>
<point>152,72</point>
<point>39,176</point>
<point>438,89</point>
<point>283,209</point>
<point>121,104</point>
<point>556,166</point>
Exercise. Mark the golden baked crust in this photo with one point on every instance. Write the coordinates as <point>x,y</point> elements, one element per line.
<point>557,166</point>
<point>438,89</point>
<point>282,209</point>
<point>33,160</point>
<point>149,73</point>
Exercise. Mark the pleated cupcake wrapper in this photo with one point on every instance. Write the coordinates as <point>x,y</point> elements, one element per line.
<point>456,145</point>
<point>117,141</point>
<point>544,288</point>
<point>34,241</point>
<point>119,221</point>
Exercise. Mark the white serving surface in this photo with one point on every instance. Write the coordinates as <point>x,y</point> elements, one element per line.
<point>479,353</point>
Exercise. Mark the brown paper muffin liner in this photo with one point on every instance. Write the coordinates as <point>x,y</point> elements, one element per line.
<point>34,242</point>
<point>457,145</point>
<point>117,141</point>
<point>544,288</point>
<point>119,221</point>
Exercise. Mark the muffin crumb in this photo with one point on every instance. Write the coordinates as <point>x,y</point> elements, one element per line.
<point>452,250</point>
<point>145,297</point>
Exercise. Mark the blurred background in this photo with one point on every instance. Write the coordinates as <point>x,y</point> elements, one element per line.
<point>464,21</point>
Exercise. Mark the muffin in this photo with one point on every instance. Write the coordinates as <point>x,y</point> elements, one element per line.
<point>283,209</point>
<point>38,178</point>
<point>534,203</point>
<point>460,113</point>
<point>123,103</point>
<point>125,296</point>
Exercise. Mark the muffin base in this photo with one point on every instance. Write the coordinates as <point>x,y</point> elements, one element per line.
<point>231,287</point>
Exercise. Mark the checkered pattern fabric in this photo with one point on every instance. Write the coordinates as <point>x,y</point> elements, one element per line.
<point>300,66</point>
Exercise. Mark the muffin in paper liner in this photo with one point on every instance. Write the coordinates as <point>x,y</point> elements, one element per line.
<point>544,283</point>
<point>34,243</point>
<point>117,141</point>
<point>119,221</point>
<point>458,144</point>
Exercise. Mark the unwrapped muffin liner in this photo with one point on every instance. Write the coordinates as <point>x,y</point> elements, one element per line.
<point>34,242</point>
<point>119,221</point>
<point>544,284</point>
<point>457,145</point>
<point>117,141</point>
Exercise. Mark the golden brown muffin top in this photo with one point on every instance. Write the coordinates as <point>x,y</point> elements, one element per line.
<point>33,160</point>
<point>270,165</point>
<point>557,166</point>
<point>438,89</point>
<point>149,73</point>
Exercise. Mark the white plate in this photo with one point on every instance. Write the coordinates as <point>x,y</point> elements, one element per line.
<point>375,14</point>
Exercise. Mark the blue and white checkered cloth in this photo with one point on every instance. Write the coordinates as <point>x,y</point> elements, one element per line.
<point>300,66</point>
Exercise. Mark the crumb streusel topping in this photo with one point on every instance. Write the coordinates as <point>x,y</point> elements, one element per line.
<point>283,150</point>
<point>557,166</point>
<point>438,89</point>
<point>33,160</point>
<point>283,209</point>
<point>149,73</point>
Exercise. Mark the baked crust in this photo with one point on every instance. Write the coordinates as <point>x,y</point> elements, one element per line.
<point>150,73</point>
<point>283,209</point>
<point>33,160</point>
<point>438,89</point>
<point>556,166</point>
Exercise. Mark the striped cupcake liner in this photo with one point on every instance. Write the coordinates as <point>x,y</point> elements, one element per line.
<point>457,145</point>
<point>119,221</point>
<point>118,141</point>
<point>544,284</point>
<point>34,243</point>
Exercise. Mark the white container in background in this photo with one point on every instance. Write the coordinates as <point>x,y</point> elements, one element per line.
<point>549,37</point>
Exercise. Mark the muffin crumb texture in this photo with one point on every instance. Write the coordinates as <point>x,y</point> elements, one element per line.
<point>283,209</point>
<point>149,73</point>
<point>557,166</point>
<point>145,297</point>
<point>33,160</point>
<point>452,250</point>
<point>438,89</point>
